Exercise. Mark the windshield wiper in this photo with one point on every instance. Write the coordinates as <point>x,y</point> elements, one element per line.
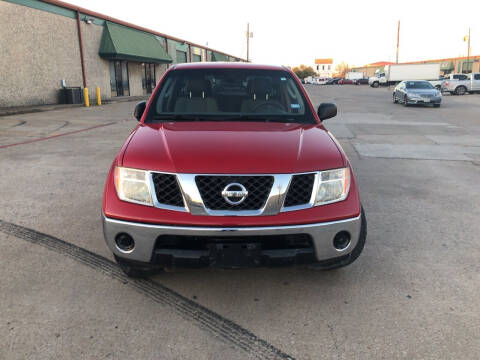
<point>257,118</point>
<point>180,117</point>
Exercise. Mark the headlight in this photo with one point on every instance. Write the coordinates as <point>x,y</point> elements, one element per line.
<point>333,186</point>
<point>133,185</point>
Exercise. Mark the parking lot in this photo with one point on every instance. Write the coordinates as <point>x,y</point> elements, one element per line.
<point>412,294</point>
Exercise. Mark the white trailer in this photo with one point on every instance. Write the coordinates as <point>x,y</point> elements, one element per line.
<point>393,74</point>
<point>354,75</point>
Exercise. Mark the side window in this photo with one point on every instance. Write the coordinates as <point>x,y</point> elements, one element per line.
<point>477,77</point>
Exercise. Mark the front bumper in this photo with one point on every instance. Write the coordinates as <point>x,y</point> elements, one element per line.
<point>424,101</point>
<point>146,237</point>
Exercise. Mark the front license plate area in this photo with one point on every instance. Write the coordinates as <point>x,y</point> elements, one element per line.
<point>235,255</point>
<point>426,100</point>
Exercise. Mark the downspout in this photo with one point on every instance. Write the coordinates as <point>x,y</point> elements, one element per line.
<point>166,48</point>
<point>84,77</point>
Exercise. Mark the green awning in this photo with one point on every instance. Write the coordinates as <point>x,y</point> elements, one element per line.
<point>218,57</point>
<point>447,65</point>
<point>123,43</point>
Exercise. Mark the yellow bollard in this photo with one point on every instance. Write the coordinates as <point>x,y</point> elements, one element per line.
<point>99,98</point>
<point>85,97</point>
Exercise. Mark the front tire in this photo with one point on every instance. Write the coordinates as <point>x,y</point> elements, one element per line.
<point>350,258</point>
<point>395,100</point>
<point>375,84</point>
<point>405,101</point>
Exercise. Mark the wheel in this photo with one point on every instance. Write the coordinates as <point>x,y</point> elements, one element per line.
<point>405,102</point>
<point>375,84</point>
<point>395,100</point>
<point>461,90</point>
<point>438,87</point>
<point>350,258</point>
<point>135,270</point>
<point>436,105</point>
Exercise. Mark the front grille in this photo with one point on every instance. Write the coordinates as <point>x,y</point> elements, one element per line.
<point>167,189</point>
<point>300,190</point>
<point>211,187</point>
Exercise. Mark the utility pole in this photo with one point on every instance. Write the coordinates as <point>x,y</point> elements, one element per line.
<point>249,35</point>
<point>398,39</point>
<point>468,51</point>
<point>248,42</point>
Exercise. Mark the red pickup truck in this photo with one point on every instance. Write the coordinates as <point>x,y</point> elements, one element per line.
<point>230,166</point>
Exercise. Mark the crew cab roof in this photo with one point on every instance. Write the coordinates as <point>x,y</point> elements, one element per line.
<point>226,65</point>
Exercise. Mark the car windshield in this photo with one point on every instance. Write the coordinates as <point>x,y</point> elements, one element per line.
<point>418,85</point>
<point>230,95</point>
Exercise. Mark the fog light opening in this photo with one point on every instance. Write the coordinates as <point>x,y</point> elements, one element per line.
<point>125,242</point>
<point>341,241</point>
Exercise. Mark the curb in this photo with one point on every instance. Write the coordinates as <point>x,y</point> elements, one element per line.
<point>42,108</point>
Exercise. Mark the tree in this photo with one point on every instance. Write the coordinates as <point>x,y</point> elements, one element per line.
<point>342,68</point>
<point>303,71</point>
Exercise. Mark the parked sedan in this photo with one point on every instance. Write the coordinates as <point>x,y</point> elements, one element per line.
<point>361,81</point>
<point>345,82</point>
<point>417,92</point>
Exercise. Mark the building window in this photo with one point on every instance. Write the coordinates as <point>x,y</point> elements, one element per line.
<point>196,58</point>
<point>148,78</point>
<point>318,67</point>
<point>329,67</point>
<point>119,78</point>
<point>467,66</point>
<point>181,57</point>
<point>323,67</point>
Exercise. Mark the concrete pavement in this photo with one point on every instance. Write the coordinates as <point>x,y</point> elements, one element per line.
<point>412,294</point>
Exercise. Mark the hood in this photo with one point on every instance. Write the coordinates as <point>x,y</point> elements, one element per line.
<point>231,148</point>
<point>422,91</point>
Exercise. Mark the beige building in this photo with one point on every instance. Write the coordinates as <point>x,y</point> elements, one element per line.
<point>324,68</point>
<point>47,44</point>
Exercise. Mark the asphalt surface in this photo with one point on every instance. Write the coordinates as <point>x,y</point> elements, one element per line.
<point>412,294</point>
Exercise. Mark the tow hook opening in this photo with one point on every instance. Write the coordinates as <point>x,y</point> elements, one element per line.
<point>341,241</point>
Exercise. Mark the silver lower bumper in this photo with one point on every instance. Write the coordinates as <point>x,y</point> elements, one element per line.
<point>145,235</point>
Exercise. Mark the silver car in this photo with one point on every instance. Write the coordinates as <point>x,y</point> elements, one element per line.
<point>410,92</point>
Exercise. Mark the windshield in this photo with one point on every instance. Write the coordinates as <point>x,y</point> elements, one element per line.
<point>230,95</point>
<point>418,85</point>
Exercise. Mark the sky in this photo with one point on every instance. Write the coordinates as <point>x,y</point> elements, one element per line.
<point>296,32</point>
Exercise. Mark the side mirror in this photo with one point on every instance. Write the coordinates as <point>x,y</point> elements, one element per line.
<point>327,111</point>
<point>139,109</point>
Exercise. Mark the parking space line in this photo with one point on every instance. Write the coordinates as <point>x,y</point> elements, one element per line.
<point>58,135</point>
<point>199,315</point>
